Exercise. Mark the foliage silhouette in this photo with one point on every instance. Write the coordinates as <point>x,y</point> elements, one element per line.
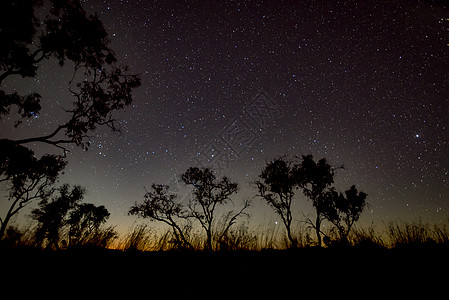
<point>281,178</point>
<point>84,224</point>
<point>315,179</point>
<point>68,33</point>
<point>29,178</point>
<point>208,192</point>
<point>99,87</point>
<point>343,210</point>
<point>159,205</point>
<point>82,221</point>
<point>51,215</point>
<point>277,185</point>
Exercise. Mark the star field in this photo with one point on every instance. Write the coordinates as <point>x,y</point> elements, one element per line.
<point>362,83</point>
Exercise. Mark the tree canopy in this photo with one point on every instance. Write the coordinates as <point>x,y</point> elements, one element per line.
<point>280,179</point>
<point>31,32</point>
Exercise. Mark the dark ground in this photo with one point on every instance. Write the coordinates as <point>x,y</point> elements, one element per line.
<point>351,273</point>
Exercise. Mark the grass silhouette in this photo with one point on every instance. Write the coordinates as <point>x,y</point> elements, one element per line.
<point>252,261</point>
<point>243,237</point>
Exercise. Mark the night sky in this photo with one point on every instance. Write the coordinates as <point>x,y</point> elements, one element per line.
<point>232,84</point>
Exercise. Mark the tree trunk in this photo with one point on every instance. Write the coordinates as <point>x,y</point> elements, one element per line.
<point>209,241</point>
<point>177,231</point>
<point>317,228</point>
<point>3,227</point>
<point>5,223</point>
<point>293,241</point>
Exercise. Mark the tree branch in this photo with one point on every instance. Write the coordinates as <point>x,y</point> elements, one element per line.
<point>44,138</point>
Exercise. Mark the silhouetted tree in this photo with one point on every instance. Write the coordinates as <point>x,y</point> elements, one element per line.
<point>343,210</point>
<point>315,179</point>
<point>99,87</point>
<point>159,205</point>
<point>51,215</point>
<point>68,33</point>
<point>29,178</point>
<point>208,192</point>
<point>277,185</point>
<point>65,215</point>
<point>281,177</point>
<point>84,224</point>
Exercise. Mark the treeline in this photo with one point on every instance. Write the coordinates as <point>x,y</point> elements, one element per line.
<point>209,221</point>
<point>278,183</point>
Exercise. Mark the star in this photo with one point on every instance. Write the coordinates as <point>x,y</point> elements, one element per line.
<point>347,82</point>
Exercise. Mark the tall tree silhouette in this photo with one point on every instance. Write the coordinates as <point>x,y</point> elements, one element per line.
<point>99,86</point>
<point>315,179</point>
<point>277,185</point>
<point>159,205</point>
<point>208,193</point>
<point>343,210</point>
<point>51,215</point>
<point>282,177</point>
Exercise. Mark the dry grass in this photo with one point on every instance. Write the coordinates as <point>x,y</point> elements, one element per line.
<point>366,238</point>
<point>417,234</point>
<point>142,238</point>
<point>243,236</point>
<point>18,237</point>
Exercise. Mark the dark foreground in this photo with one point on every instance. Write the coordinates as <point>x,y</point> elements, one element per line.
<point>316,272</point>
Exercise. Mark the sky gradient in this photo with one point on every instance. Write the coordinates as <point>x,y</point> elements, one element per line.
<point>233,84</point>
